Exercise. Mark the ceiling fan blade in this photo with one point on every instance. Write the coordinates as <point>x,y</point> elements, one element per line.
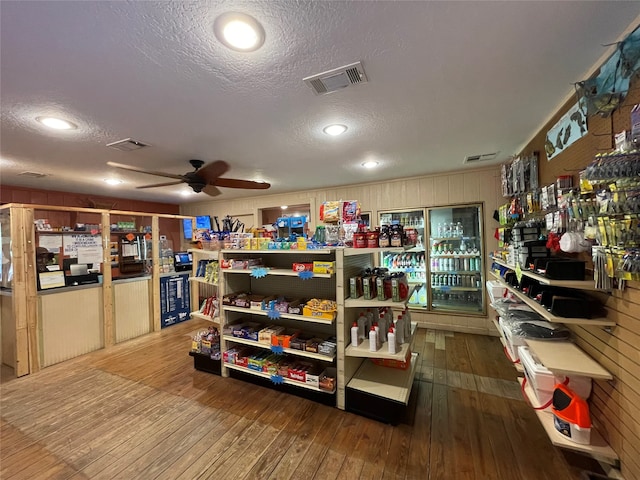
<point>141,170</point>
<point>235,183</point>
<point>161,184</point>
<point>211,190</point>
<point>213,170</point>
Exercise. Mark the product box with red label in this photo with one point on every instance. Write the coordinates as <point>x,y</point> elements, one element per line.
<point>303,267</point>
<point>393,363</point>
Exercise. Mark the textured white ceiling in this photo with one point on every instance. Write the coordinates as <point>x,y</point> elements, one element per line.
<point>446,80</point>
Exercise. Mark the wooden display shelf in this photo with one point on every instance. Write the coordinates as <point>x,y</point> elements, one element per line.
<point>302,318</point>
<point>544,313</point>
<point>567,358</point>
<point>197,314</point>
<point>362,350</point>
<point>598,448</point>
<point>518,366</point>
<point>391,383</point>
<point>286,381</point>
<point>201,280</point>
<point>578,284</point>
<point>292,351</point>
<point>277,271</point>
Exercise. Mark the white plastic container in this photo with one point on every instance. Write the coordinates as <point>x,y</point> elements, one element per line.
<point>373,340</point>
<point>495,290</point>
<point>391,343</point>
<point>543,381</point>
<point>355,338</point>
<point>512,340</point>
<point>573,432</point>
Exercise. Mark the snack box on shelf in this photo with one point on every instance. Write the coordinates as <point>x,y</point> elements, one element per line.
<point>264,335</point>
<point>328,347</point>
<point>310,312</point>
<point>327,379</point>
<point>543,381</point>
<point>283,339</point>
<point>324,267</point>
<point>302,267</point>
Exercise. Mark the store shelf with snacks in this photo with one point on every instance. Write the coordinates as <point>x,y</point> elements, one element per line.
<point>289,316</point>
<point>283,380</point>
<point>577,284</point>
<point>598,447</point>
<point>275,281</point>
<point>362,350</point>
<point>281,272</point>
<point>292,351</point>
<point>544,313</point>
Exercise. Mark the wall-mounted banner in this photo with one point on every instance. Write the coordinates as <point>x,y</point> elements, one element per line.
<point>571,127</point>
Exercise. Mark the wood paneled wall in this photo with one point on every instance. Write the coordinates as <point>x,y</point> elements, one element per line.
<point>615,406</point>
<point>469,186</point>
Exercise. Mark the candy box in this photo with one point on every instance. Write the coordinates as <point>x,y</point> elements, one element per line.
<point>269,303</point>
<point>393,363</point>
<point>299,343</point>
<point>312,377</point>
<point>255,302</point>
<point>324,267</point>
<point>327,348</point>
<point>264,335</point>
<point>295,307</point>
<point>309,312</point>
<point>312,345</point>
<point>242,300</point>
<point>283,339</point>
<point>327,380</point>
<point>302,267</point>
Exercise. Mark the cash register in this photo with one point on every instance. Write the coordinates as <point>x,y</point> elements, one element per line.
<point>183,261</point>
<point>79,274</point>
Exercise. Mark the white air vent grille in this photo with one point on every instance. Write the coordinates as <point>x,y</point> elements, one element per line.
<point>33,174</point>
<point>336,79</point>
<point>480,158</point>
<point>127,145</point>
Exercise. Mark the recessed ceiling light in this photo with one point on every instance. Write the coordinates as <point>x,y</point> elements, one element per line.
<point>239,31</point>
<point>56,123</point>
<point>370,164</point>
<point>113,181</point>
<point>334,130</point>
<point>284,207</point>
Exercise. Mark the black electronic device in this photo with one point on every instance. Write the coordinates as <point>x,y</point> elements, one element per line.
<point>561,268</point>
<point>72,280</point>
<point>183,261</point>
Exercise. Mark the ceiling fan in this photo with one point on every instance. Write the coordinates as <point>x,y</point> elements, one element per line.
<point>204,178</point>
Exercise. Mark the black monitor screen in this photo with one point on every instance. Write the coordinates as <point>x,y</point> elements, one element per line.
<point>187,228</point>
<point>203,222</point>
<point>183,257</point>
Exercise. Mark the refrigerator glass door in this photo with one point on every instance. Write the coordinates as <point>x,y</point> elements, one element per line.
<point>456,259</point>
<point>413,261</point>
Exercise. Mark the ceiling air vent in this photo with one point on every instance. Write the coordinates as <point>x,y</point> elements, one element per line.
<point>480,158</point>
<point>127,145</point>
<point>33,174</point>
<point>336,79</point>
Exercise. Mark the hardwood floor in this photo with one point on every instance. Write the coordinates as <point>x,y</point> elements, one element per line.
<point>140,411</point>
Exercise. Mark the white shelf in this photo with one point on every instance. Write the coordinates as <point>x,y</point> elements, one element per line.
<point>536,307</point>
<point>598,448</point>
<point>348,252</point>
<point>578,284</point>
<point>302,318</point>
<point>215,320</point>
<point>292,351</point>
<point>567,358</point>
<point>362,350</point>
<point>455,289</point>
<point>201,280</point>
<point>391,383</point>
<point>295,251</point>
<point>286,381</point>
<point>277,271</point>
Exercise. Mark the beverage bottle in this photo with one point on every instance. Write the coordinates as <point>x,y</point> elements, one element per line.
<point>373,340</point>
<point>391,343</point>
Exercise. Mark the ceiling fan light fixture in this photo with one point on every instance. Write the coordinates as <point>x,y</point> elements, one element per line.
<point>284,207</point>
<point>239,32</point>
<point>56,123</point>
<point>112,181</point>
<point>335,129</point>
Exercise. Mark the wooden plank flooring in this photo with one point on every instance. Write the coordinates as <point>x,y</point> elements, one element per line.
<point>141,411</point>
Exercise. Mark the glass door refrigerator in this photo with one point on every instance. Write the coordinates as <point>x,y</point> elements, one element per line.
<point>412,261</point>
<point>455,259</point>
